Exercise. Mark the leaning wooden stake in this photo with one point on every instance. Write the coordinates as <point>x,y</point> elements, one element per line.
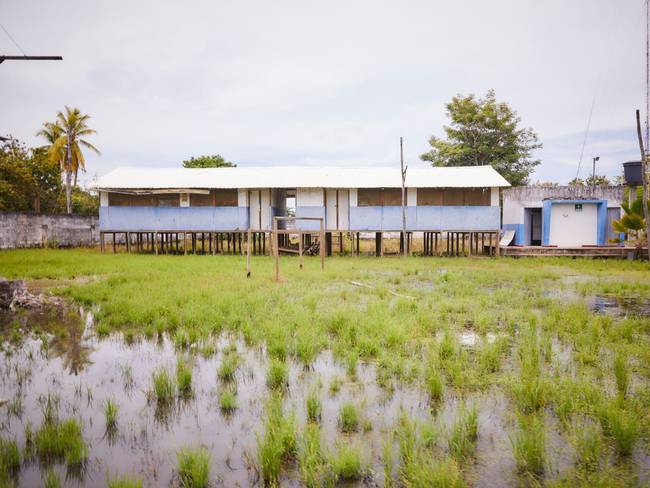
<point>644,179</point>
<point>300,247</point>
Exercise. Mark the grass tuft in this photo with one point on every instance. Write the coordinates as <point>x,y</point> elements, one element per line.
<point>164,388</point>
<point>529,445</point>
<point>348,418</point>
<point>124,481</point>
<point>277,376</point>
<point>193,468</point>
<point>346,463</point>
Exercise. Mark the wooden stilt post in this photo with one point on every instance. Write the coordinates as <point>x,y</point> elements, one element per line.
<point>101,242</point>
<point>496,243</point>
<point>276,251</point>
<point>248,253</point>
<point>322,246</point>
<point>300,247</point>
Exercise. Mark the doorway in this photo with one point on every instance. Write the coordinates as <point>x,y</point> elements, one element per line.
<point>535,226</point>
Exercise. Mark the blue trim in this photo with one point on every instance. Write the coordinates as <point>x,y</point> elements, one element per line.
<point>601,222</point>
<point>520,237</point>
<point>546,221</point>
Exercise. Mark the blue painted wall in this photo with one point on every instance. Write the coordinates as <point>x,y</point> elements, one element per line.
<point>430,218</point>
<point>173,218</point>
<point>520,236</point>
<point>309,212</point>
<point>453,218</point>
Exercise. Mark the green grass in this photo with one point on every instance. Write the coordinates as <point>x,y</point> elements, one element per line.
<point>348,418</point>
<point>228,400</point>
<point>193,468</point>
<point>311,459</point>
<point>552,357</point>
<point>10,458</point>
<point>464,433</point>
<point>52,480</point>
<point>277,376</point>
<point>277,445</point>
<point>110,414</point>
<point>529,445</point>
<point>621,374</point>
<point>184,378</point>
<point>347,462</point>
<point>228,366</point>
<point>124,481</point>
<point>314,406</point>
<point>60,440</point>
<point>164,388</point>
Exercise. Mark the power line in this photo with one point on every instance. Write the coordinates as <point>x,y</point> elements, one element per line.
<point>13,40</point>
<point>584,141</point>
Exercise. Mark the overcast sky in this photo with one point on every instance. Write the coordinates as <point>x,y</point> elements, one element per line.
<point>324,83</point>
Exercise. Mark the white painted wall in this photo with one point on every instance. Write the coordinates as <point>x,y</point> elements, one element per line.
<point>494,197</point>
<point>411,197</point>
<point>342,209</point>
<point>242,197</point>
<point>571,228</point>
<point>309,197</point>
<point>258,212</point>
<point>103,199</point>
<point>353,197</point>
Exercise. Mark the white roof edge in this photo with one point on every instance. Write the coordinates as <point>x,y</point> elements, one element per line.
<point>300,177</point>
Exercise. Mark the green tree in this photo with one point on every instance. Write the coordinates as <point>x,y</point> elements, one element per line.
<point>214,161</point>
<point>484,131</point>
<point>28,179</point>
<point>46,177</point>
<point>66,138</point>
<point>16,181</point>
<point>598,180</point>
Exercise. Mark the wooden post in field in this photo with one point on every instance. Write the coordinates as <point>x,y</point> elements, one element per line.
<point>403,171</point>
<point>300,247</point>
<point>322,246</point>
<point>155,242</point>
<point>276,251</point>
<point>248,253</point>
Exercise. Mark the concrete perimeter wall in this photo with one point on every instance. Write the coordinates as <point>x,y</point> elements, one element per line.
<point>26,229</point>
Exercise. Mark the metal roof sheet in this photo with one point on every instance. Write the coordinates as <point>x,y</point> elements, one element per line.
<point>300,177</point>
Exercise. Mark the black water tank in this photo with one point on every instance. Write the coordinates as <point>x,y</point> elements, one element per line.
<point>632,171</point>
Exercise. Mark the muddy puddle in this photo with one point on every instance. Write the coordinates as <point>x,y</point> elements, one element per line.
<point>612,305</point>
<point>59,356</point>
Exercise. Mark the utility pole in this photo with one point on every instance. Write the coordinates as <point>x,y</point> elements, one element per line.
<point>644,179</point>
<point>403,171</point>
<point>593,176</point>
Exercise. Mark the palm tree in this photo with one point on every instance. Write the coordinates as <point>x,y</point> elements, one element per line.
<point>65,138</point>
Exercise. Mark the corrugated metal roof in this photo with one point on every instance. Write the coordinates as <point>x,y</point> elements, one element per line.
<point>300,177</point>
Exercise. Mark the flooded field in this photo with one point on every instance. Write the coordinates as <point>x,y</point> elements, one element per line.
<point>450,388</point>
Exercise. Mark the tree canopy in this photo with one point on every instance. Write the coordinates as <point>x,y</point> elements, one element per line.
<point>213,161</point>
<point>484,131</point>
<point>31,181</point>
<point>598,180</point>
